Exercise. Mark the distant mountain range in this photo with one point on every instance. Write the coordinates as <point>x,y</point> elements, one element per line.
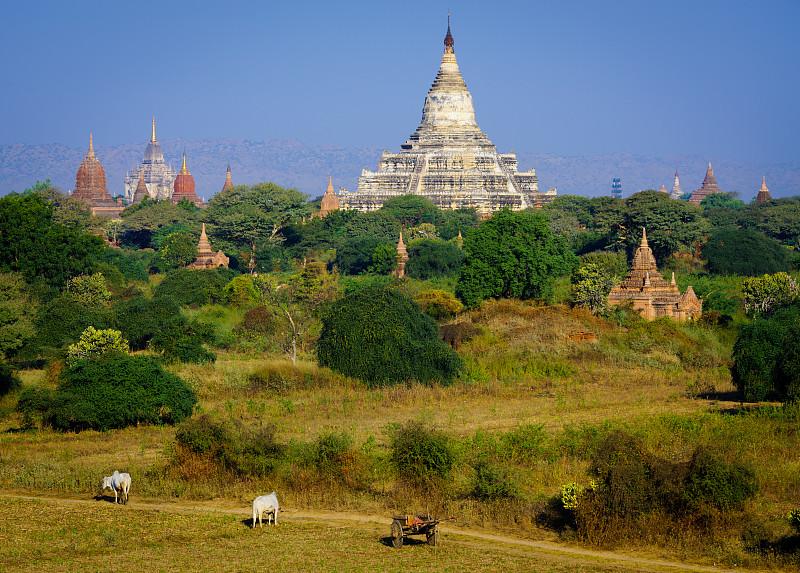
<point>307,167</point>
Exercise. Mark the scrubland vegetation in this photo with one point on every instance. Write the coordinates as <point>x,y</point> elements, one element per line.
<point>549,418</point>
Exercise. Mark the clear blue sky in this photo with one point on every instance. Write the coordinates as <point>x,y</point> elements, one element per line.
<point>716,78</point>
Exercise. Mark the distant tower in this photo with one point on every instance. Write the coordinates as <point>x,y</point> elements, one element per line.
<point>663,189</point>
<point>330,201</point>
<point>228,183</point>
<point>616,188</point>
<point>158,176</point>
<point>90,185</point>
<point>141,189</point>
<point>763,193</point>
<point>402,258</point>
<point>709,187</point>
<point>676,188</point>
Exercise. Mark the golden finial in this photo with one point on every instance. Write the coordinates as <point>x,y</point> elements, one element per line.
<point>153,137</point>
<point>183,169</point>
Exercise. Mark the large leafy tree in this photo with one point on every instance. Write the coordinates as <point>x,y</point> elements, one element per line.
<point>590,287</point>
<point>17,312</point>
<point>428,259</point>
<point>779,219</point>
<point>743,252</point>
<point>671,225</point>
<point>411,210</point>
<point>512,255</point>
<point>763,295</point>
<point>178,250</point>
<point>378,225</point>
<point>67,210</point>
<point>250,215</point>
<point>143,222</point>
<point>32,244</point>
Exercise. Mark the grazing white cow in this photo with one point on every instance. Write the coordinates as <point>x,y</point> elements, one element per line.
<point>119,483</point>
<point>265,504</point>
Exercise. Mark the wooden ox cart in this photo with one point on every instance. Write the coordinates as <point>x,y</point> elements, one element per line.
<point>404,525</point>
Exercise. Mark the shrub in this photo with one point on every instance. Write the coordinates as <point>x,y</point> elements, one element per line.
<point>571,494</point>
<point>9,380</point>
<point>456,334</point>
<point>715,481</point>
<point>330,452</point>
<point>422,456</point>
<point>115,391</point>
<point>94,343</point>
<point>195,287</point>
<point>230,445</point>
<point>379,335</point>
<point>32,404</point>
<point>258,321</point>
<point>89,290</point>
<point>60,322</point>
<point>140,319</point>
<point>129,263</point>
<point>438,304</point>
<point>354,257</point>
<point>240,292</point>
<point>493,482</point>
<point>745,252</point>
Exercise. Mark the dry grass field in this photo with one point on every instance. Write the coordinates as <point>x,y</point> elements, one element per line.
<point>669,387</point>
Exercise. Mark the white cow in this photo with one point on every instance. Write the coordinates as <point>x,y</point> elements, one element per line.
<point>119,483</point>
<point>265,504</point>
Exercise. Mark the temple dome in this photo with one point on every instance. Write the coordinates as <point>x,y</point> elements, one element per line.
<point>184,186</point>
<point>153,153</point>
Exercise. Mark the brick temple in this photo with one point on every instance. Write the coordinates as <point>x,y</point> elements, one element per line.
<point>448,159</point>
<point>90,186</point>
<point>653,296</point>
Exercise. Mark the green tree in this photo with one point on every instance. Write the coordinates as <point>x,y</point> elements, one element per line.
<point>354,256</point>
<point>247,215</point>
<point>380,336</point>
<point>31,244</point>
<point>722,200</point>
<point>384,260</point>
<point>512,255</point>
<point>143,221</point>
<point>428,259</point>
<point>590,288</point>
<point>765,356</point>
<point>671,225</point>
<point>377,225</point>
<point>67,210</point>
<point>94,343</point>
<point>298,301</point>
<point>89,290</point>
<point>178,250</point>
<point>744,252</point>
<point>453,222</point>
<point>438,304</point>
<point>769,292</point>
<point>17,312</point>
<point>778,219</point>
<point>411,210</point>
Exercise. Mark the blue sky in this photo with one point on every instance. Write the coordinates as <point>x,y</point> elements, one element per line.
<point>716,78</point>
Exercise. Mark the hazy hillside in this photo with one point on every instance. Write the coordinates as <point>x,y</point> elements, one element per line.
<point>307,167</point>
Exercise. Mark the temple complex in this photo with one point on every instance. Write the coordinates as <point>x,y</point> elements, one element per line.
<point>448,159</point>
<point>228,183</point>
<point>184,187</point>
<point>763,193</point>
<point>158,176</point>
<point>676,188</point>
<point>708,187</point>
<point>330,201</point>
<point>90,185</point>
<point>653,296</point>
<point>206,258</point>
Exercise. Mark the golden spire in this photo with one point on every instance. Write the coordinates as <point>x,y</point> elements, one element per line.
<point>184,171</point>
<point>91,147</point>
<point>153,137</point>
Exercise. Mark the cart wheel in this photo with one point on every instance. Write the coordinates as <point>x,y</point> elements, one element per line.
<point>433,537</point>
<point>397,534</point>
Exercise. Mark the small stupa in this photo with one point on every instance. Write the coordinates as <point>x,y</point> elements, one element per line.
<point>763,193</point>
<point>206,258</point>
<point>402,258</point>
<point>228,183</point>
<point>183,187</point>
<point>330,200</point>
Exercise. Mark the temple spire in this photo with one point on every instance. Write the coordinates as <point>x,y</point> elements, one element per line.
<point>153,137</point>
<point>644,238</point>
<point>91,147</point>
<point>448,39</point>
<point>183,169</point>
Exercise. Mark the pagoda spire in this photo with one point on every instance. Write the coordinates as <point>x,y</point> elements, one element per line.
<point>91,147</point>
<point>644,238</point>
<point>153,136</point>
<point>448,39</point>
<point>183,169</point>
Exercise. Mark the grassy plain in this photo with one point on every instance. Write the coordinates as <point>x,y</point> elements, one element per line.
<point>665,384</point>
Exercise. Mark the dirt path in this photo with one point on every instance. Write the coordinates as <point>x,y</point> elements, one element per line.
<point>455,534</point>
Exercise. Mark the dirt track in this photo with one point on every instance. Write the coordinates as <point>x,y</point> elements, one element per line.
<point>454,534</point>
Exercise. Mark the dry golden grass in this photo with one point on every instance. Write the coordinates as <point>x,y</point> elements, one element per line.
<point>61,535</point>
